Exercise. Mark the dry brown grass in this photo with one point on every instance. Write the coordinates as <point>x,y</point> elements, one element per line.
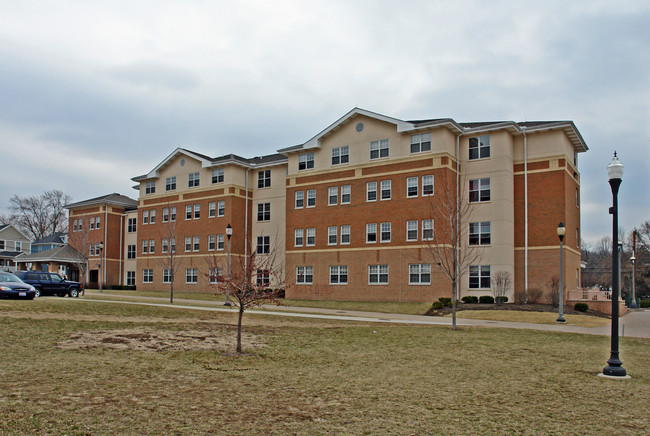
<point>310,377</point>
<point>532,317</point>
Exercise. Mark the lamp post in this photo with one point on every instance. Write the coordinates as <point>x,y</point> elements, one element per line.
<point>633,304</point>
<point>101,256</point>
<point>561,230</point>
<point>229,234</point>
<point>614,366</point>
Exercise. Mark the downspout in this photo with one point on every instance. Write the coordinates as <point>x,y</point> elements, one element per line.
<point>246,222</point>
<point>105,242</point>
<point>525,216</point>
<point>457,294</point>
<point>121,245</point>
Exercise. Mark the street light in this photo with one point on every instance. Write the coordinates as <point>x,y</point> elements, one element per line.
<point>101,252</point>
<point>633,304</point>
<point>614,366</point>
<point>561,230</point>
<point>229,234</point>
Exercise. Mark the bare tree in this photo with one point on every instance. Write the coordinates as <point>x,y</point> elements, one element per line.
<point>248,283</point>
<point>501,284</point>
<point>169,232</point>
<point>451,212</point>
<point>39,216</point>
<point>79,240</point>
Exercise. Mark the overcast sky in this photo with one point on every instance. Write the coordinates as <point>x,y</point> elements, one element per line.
<point>96,92</point>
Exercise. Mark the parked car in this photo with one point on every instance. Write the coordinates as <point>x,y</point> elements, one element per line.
<point>12,287</point>
<point>46,283</point>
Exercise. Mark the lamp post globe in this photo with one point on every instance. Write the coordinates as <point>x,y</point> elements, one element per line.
<point>614,366</point>
<point>561,231</point>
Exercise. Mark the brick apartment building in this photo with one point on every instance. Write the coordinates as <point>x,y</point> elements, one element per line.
<point>349,213</point>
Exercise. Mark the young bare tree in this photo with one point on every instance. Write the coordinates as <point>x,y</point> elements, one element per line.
<point>78,239</point>
<point>501,284</point>
<point>38,216</point>
<point>248,283</point>
<point>451,211</point>
<point>169,231</point>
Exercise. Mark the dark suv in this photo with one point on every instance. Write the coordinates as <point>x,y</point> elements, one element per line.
<point>47,283</point>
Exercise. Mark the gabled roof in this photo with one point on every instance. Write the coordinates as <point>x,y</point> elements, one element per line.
<point>6,226</point>
<point>465,128</point>
<point>113,199</point>
<point>65,253</point>
<point>55,238</point>
<point>207,162</point>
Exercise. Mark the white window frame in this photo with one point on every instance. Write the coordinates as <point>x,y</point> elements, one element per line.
<point>427,185</point>
<point>412,185</point>
<point>478,147</point>
<point>480,273</point>
<point>311,198</point>
<point>221,208</point>
<point>379,149</point>
<point>197,211</point>
<point>170,183</point>
<point>421,270</point>
<point>346,194</point>
<point>386,186</point>
<point>196,243</point>
<point>303,273</point>
<point>221,242</point>
<point>332,195</point>
<point>340,155</point>
<point>147,275</point>
<point>371,187</point>
<point>310,237</point>
<point>345,231</point>
<point>263,179</point>
<point>263,245</point>
<point>421,142</point>
<point>477,231</point>
<point>378,271</point>
<point>263,210</point>
<point>480,188</point>
<point>299,199</point>
<point>332,235</point>
<point>306,161</point>
<point>298,237</point>
<point>212,242</point>
<point>338,275</point>
<point>212,209</point>
<point>384,228</point>
<point>188,212</point>
<point>145,217</point>
<point>371,229</point>
<point>193,180</point>
<point>411,226</point>
<point>167,275</point>
<point>427,227</point>
<point>218,175</point>
<point>191,276</point>
<point>150,187</point>
<point>165,214</point>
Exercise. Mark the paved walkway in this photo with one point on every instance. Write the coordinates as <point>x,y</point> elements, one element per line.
<point>634,324</point>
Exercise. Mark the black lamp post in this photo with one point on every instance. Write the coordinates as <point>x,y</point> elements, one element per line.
<point>614,366</point>
<point>561,230</point>
<point>101,252</point>
<point>229,234</point>
<point>633,304</point>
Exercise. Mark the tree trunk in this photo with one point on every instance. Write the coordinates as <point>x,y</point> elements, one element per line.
<point>453,305</point>
<point>171,292</point>
<point>241,314</point>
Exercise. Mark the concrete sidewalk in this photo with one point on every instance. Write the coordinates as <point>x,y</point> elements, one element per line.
<point>634,324</point>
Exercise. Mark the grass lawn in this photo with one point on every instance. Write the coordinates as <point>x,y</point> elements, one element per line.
<point>532,317</point>
<point>78,367</point>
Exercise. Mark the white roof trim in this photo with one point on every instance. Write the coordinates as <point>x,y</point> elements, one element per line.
<point>154,174</point>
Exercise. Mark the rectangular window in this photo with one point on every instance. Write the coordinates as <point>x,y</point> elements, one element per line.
<point>92,224</point>
<point>167,275</point>
<point>479,147</point>
<point>427,185</point>
<point>311,237</point>
<point>212,209</point>
<point>264,179</point>
<point>81,225</point>
<point>147,276</point>
<point>305,161</point>
<point>371,233</point>
<point>212,241</point>
<point>98,219</point>
<point>220,242</point>
<point>304,275</point>
<point>145,217</point>
<point>221,208</point>
<point>74,229</point>
<point>172,245</point>
<point>385,189</point>
<point>152,246</point>
<point>298,238</point>
<point>479,190</point>
<point>427,230</point>
<point>479,277</point>
<point>345,234</point>
<point>172,214</point>
<point>264,212</point>
<point>165,214</point>
<point>197,243</point>
<point>263,244</point>
<point>170,183</point>
<point>164,245</point>
<point>130,278</point>
<point>371,191</point>
<point>412,230</point>
<point>188,243</point>
<point>300,199</point>
<point>377,274</point>
<point>145,246</point>
<point>346,194</point>
<point>91,251</point>
<point>420,142</point>
<point>332,195</point>
<point>152,217</point>
<point>385,232</point>
<point>311,198</point>
<point>379,149</point>
<point>215,273</point>
<point>131,225</point>
<point>420,274</point>
<point>197,211</point>
<point>150,187</point>
<point>98,249</point>
<point>332,235</point>
<point>339,275</point>
<point>130,251</point>
<point>217,175</point>
<point>188,212</point>
<point>191,275</point>
<point>340,155</point>
<point>192,180</point>
<point>479,233</point>
<point>412,187</point>
<point>263,277</point>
